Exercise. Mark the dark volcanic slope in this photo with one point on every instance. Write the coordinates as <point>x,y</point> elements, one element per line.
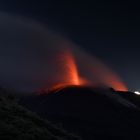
<point>90,113</point>
<point>17,123</point>
<point>135,99</point>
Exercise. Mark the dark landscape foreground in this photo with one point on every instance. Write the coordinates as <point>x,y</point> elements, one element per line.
<point>91,114</point>
<point>18,123</point>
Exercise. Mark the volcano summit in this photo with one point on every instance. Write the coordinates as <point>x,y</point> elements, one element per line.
<point>92,113</point>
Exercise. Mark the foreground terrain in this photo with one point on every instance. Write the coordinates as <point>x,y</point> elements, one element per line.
<point>89,113</point>
<point>18,123</point>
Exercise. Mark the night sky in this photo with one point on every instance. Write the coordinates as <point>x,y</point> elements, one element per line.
<point>109,31</point>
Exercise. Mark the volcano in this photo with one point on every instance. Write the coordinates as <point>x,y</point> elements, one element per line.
<point>92,113</point>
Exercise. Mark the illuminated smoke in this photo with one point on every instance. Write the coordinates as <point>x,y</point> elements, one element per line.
<point>33,57</point>
<point>78,68</point>
<point>96,72</point>
<point>70,69</point>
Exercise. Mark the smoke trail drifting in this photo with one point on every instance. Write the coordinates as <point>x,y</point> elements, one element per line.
<point>32,57</point>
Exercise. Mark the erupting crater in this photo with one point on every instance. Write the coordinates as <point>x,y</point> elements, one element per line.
<point>70,74</point>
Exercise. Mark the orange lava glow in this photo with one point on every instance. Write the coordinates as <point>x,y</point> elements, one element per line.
<point>99,74</point>
<point>107,77</point>
<point>71,73</point>
<point>70,68</point>
<point>115,82</point>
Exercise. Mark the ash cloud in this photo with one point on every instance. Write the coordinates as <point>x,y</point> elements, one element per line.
<point>29,57</point>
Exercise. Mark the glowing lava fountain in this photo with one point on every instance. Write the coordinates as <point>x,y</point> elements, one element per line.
<point>70,68</point>
<point>68,73</point>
